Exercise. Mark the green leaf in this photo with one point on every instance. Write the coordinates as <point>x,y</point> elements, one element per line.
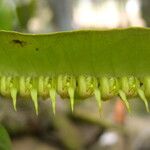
<point>5,143</point>
<point>100,53</point>
<point>119,52</point>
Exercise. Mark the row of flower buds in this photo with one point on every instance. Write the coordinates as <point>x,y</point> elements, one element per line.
<point>71,87</point>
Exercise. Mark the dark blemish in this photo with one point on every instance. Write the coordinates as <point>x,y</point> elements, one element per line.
<point>19,42</point>
<point>141,84</point>
<point>37,49</point>
<point>77,84</point>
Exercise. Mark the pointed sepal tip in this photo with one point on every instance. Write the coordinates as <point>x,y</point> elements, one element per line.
<point>52,93</point>
<point>71,95</point>
<point>124,99</point>
<point>142,96</point>
<point>13,93</point>
<point>34,99</point>
<point>97,94</point>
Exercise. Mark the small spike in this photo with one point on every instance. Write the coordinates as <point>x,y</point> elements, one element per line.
<point>124,98</point>
<point>71,95</point>
<point>97,94</point>
<point>13,93</point>
<point>142,96</point>
<point>52,93</point>
<point>34,99</point>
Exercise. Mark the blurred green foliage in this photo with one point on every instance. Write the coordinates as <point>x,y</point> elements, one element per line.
<point>25,10</point>
<point>5,143</point>
<point>7,15</point>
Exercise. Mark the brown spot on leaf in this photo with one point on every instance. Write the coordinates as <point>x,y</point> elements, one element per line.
<point>37,49</point>
<point>19,42</point>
